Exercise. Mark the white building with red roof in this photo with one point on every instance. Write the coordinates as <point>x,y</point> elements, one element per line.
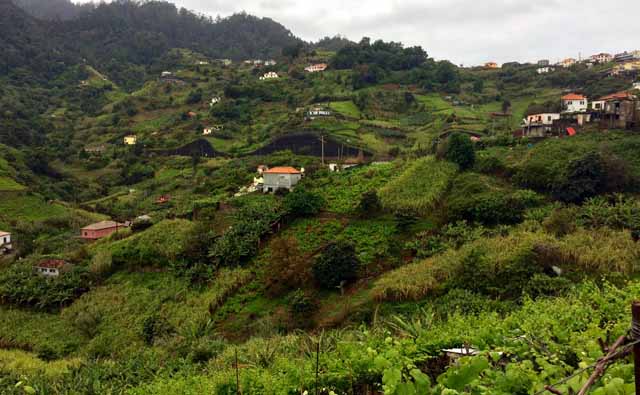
<point>283,177</point>
<point>574,102</point>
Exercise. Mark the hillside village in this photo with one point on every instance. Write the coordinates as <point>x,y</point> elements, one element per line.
<point>284,217</point>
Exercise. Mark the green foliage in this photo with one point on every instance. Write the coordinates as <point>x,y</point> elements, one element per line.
<point>459,150</point>
<point>478,198</point>
<point>342,191</point>
<point>387,56</point>
<point>302,202</point>
<point>20,285</point>
<point>419,187</point>
<point>252,220</point>
<point>336,266</point>
<point>369,204</point>
<point>160,245</point>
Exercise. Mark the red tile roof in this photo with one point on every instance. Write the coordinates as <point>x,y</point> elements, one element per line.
<point>52,263</point>
<point>283,170</point>
<point>573,96</point>
<point>4,233</point>
<point>617,96</point>
<point>571,131</point>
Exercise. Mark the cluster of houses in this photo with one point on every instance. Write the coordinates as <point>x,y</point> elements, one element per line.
<point>260,62</point>
<point>626,61</point>
<point>616,111</point>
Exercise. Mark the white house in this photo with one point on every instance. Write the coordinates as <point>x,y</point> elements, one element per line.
<point>545,119</point>
<point>574,102</point>
<point>270,62</point>
<point>207,131</point>
<point>636,85</point>
<point>315,68</point>
<point>280,178</point>
<point>51,267</point>
<point>130,139</point>
<point>214,100</point>
<point>544,70</point>
<point>602,58</point>
<point>166,74</point>
<point>5,242</point>
<point>270,76</point>
<point>318,112</point>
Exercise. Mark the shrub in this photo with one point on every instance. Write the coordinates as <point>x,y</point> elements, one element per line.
<point>302,203</point>
<point>459,150</point>
<point>561,222</point>
<point>369,203</point>
<point>287,269</point>
<point>489,165</point>
<point>336,266</point>
<point>480,199</point>
<point>585,178</point>
<point>302,306</point>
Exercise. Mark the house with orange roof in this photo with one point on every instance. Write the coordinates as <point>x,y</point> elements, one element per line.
<point>574,102</point>
<point>620,110</point>
<point>491,65</point>
<point>282,177</point>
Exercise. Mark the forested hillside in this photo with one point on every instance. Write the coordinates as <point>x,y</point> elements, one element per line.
<point>214,206</point>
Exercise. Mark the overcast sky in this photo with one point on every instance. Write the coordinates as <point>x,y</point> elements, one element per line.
<point>464,31</point>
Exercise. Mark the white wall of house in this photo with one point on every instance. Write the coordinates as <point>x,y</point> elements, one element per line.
<point>48,272</point>
<point>598,105</point>
<point>5,239</point>
<point>546,119</point>
<point>275,181</point>
<point>575,105</point>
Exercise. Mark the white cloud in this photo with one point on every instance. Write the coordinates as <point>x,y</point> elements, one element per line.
<point>463,31</point>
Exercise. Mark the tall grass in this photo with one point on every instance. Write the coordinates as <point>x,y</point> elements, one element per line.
<point>419,187</point>
<point>580,254</point>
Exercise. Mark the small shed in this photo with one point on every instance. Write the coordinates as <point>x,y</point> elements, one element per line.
<point>51,267</point>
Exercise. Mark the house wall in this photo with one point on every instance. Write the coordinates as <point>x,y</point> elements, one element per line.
<point>5,239</point>
<point>575,105</point>
<point>97,234</point>
<point>544,119</point>
<point>275,181</point>
<point>48,272</point>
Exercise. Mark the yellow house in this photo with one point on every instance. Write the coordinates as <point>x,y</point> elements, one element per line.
<point>130,140</point>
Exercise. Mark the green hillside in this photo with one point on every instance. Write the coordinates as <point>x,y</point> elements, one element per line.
<point>422,223</point>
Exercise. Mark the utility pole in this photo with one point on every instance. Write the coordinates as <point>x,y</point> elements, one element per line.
<point>322,140</point>
<point>635,336</point>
